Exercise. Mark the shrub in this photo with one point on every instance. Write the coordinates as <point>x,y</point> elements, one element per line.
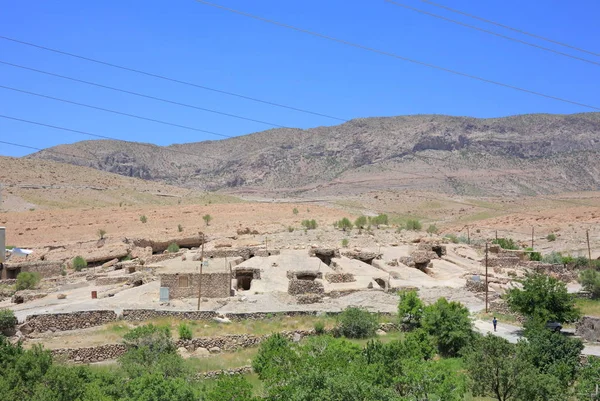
<point>535,256</point>
<point>357,323</point>
<point>432,229</point>
<point>551,237</point>
<point>449,324</point>
<point>413,224</point>
<point>345,224</point>
<point>590,281</point>
<point>207,218</point>
<point>290,229</point>
<point>554,258</point>
<point>381,219</point>
<point>452,238</point>
<point>101,233</point>
<point>345,243</point>
<point>173,248</point>
<point>274,348</point>
<point>506,243</point>
<point>309,224</point>
<point>179,228</point>
<point>185,333</point>
<point>410,309</point>
<point>295,211</point>
<point>319,327</point>
<point>79,263</point>
<point>361,222</point>
<point>27,280</point>
<point>7,319</point>
<point>63,270</point>
<point>143,219</point>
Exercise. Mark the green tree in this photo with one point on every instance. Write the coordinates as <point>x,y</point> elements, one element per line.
<point>357,323</point>
<point>27,280</point>
<point>173,247</point>
<point>588,380</point>
<point>590,281</point>
<point>230,388</point>
<point>155,387</point>
<point>495,369</point>
<point>543,298</point>
<point>506,243</point>
<point>273,353</point>
<point>449,324</point>
<point>361,222</point>
<point>345,224</point>
<point>79,263</point>
<point>7,320</point>
<point>207,219</point>
<point>410,309</point>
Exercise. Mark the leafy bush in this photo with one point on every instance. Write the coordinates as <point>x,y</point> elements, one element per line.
<point>345,224</point>
<point>101,233</point>
<point>506,243</point>
<point>309,224</point>
<point>7,319</point>
<point>230,388</point>
<point>590,281</point>
<point>361,222</point>
<point>63,270</point>
<point>551,237</point>
<point>143,219</point>
<point>319,327</point>
<point>452,238</point>
<point>432,229</point>
<point>295,211</point>
<point>534,256</point>
<point>345,243</point>
<point>179,228</point>
<point>356,323</point>
<point>185,333</point>
<point>28,280</point>
<point>553,257</point>
<point>543,298</point>
<point>273,349</point>
<point>381,219</point>
<point>410,309</point>
<point>79,263</point>
<point>207,218</point>
<point>173,248</point>
<point>413,225</point>
<point>449,324</point>
<point>290,229</point>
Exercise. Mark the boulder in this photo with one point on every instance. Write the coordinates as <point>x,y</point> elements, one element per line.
<point>200,353</point>
<point>110,263</point>
<point>214,350</point>
<point>61,296</point>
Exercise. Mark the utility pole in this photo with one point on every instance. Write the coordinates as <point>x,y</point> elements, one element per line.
<point>532,233</point>
<point>486,277</point>
<point>468,236</point>
<point>587,235</point>
<point>201,265</point>
<point>496,235</point>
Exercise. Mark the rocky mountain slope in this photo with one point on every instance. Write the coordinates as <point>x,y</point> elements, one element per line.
<point>523,154</point>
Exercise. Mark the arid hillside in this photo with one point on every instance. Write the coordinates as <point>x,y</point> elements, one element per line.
<point>518,155</point>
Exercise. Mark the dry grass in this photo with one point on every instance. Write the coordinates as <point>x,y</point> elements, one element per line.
<point>589,307</point>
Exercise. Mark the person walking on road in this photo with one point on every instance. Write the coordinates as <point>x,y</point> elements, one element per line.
<point>495,322</point>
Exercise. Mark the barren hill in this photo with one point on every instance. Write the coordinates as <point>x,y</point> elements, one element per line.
<point>43,184</point>
<point>526,154</point>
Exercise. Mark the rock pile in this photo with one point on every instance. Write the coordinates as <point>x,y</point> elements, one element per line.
<point>309,299</point>
<point>363,256</point>
<point>298,287</point>
<point>588,328</point>
<point>340,277</point>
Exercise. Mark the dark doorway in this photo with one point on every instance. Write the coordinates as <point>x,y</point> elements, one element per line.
<point>244,280</point>
<point>12,273</point>
<point>324,258</point>
<point>438,250</point>
<point>306,276</point>
<point>381,282</point>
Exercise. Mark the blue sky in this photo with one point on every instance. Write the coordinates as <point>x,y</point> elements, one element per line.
<point>186,40</point>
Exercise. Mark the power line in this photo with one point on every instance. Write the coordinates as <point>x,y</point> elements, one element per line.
<point>511,28</point>
<point>394,55</point>
<point>492,33</point>
<point>46,150</point>
<point>141,95</point>
<point>114,111</point>
<point>165,78</point>
<point>101,137</point>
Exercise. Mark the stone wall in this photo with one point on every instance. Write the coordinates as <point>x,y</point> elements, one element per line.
<point>186,285</point>
<point>141,315</point>
<point>67,321</point>
<point>297,287</point>
<point>44,268</point>
<point>340,277</point>
<point>589,328</point>
<point>245,253</point>
<point>90,354</point>
<point>305,299</point>
<point>111,280</point>
<point>294,274</point>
